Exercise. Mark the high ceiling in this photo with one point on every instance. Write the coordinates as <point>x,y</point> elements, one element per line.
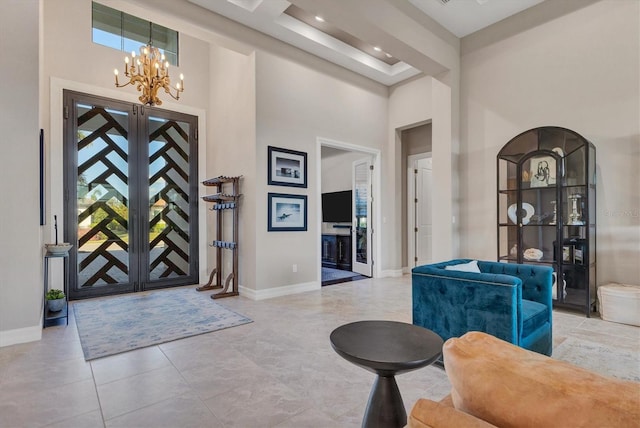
<point>386,40</point>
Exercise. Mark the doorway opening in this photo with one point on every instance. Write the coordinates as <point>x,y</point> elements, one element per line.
<point>348,211</point>
<point>417,209</point>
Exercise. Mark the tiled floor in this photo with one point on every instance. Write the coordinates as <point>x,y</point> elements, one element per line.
<point>278,371</point>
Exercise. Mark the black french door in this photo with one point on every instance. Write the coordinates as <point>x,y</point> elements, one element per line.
<point>130,189</point>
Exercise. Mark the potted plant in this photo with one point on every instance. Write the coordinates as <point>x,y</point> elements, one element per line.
<point>55,300</point>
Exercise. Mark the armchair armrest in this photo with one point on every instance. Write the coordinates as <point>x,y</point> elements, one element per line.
<point>451,302</point>
<point>537,281</point>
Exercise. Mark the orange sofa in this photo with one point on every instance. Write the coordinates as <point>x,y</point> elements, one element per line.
<point>497,384</point>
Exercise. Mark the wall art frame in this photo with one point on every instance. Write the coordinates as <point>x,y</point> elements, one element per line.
<point>286,167</point>
<point>287,213</point>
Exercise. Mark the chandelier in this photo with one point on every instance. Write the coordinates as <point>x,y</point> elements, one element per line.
<point>149,73</point>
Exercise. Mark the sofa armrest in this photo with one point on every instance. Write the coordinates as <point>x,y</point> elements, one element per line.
<point>429,414</point>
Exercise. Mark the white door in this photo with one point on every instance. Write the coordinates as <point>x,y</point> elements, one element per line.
<point>419,210</point>
<point>361,228</point>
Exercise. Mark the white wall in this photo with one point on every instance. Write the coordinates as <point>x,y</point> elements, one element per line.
<point>21,249</point>
<point>579,71</point>
<point>232,153</point>
<point>296,103</point>
<point>337,171</point>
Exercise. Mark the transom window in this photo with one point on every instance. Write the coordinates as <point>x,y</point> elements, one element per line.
<point>119,30</point>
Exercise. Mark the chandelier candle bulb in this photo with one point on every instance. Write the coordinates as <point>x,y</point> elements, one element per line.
<point>115,71</point>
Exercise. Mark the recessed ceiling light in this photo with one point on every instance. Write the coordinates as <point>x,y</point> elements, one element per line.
<point>388,55</point>
<point>319,18</point>
<point>377,49</point>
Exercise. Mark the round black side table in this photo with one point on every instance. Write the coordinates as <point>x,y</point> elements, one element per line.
<point>386,348</point>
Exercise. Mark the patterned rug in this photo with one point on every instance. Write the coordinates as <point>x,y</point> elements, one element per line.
<point>112,325</point>
<point>599,358</point>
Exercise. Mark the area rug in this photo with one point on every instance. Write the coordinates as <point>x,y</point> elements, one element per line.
<point>603,359</point>
<point>113,325</point>
<point>329,274</point>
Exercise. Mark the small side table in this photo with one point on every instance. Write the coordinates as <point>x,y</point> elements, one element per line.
<point>386,348</point>
<point>51,318</point>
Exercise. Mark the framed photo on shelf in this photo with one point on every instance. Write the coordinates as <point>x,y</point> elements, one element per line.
<point>542,172</point>
<point>287,167</point>
<point>287,213</point>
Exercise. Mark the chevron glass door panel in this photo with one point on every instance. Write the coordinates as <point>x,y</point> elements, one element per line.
<point>130,196</point>
<point>169,201</point>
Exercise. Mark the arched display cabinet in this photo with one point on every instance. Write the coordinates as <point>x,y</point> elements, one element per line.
<point>547,210</point>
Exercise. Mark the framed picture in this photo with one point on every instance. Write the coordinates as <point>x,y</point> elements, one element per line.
<point>542,171</point>
<point>287,167</point>
<point>287,213</point>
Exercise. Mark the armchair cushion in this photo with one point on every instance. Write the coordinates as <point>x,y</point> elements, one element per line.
<point>534,315</point>
<point>472,266</point>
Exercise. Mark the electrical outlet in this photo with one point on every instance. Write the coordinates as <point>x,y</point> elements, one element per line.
<point>294,268</point>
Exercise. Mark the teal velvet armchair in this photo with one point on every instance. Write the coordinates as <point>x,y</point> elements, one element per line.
<point>510,301</point>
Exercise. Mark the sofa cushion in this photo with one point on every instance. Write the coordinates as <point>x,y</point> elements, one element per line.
<point>429,414</point>
<point>534,315</point>
<point>511,387</point>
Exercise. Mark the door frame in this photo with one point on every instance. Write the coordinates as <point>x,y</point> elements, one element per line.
<point>376,209</point>
<point>411,221</point>
<point>54,155</point>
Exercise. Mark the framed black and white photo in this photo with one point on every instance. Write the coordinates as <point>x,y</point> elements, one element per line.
<point>287,167</point>
<point>543,171</point>
<point>287,213</point>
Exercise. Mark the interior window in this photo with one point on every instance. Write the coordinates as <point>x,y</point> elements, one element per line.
<point>119,30</point>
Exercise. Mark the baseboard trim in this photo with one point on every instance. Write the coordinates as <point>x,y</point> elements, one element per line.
<point>406,270</point>
<point>20,335</point>
<point>391,273</point>
<point>285,290</point>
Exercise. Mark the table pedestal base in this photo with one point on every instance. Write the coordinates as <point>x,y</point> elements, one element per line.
<point>385,408</point>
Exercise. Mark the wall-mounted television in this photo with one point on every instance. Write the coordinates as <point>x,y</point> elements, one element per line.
<point>336,206</point>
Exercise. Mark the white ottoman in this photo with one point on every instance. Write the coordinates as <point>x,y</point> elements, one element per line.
<point>619,303</point>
